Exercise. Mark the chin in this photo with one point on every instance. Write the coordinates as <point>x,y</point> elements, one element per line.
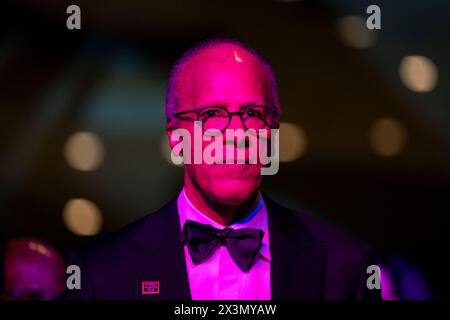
<point>233,192</point>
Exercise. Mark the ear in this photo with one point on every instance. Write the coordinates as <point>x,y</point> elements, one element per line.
<point>277,120</point>
<point>169,130</point>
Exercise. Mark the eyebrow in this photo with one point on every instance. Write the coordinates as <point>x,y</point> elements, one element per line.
<point>247,104</point>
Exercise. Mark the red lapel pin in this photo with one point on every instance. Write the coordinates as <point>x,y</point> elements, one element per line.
<point>150,287</point>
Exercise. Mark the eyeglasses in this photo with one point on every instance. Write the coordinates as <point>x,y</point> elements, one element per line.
<point>219,118</point>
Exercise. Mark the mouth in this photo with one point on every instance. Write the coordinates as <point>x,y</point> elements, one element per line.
<point>238,161</point>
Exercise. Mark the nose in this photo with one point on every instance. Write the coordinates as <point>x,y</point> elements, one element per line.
<point>235,138</point>
<point>236,122</point>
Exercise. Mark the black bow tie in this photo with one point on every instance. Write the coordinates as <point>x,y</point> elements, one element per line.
<point>203,240</point>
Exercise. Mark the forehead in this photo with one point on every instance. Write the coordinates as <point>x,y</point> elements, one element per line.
<point>222,72</point>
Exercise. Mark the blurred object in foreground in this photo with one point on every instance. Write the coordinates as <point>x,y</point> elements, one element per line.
<point>401,280</point>
<point>33,269</point>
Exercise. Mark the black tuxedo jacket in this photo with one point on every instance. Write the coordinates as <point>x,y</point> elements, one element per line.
<point>309,260</point>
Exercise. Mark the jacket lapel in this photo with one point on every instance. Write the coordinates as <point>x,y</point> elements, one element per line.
<point>298,264</point>
<point>159,244</point>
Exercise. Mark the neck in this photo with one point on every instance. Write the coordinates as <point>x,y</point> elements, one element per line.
<point>223,213</point>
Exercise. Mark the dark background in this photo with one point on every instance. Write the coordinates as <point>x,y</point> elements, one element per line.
<point>109,78</point>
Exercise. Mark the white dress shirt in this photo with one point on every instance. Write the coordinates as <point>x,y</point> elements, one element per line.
<point>219,278</point>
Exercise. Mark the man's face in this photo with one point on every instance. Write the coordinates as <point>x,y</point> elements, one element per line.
<point>227,76</point>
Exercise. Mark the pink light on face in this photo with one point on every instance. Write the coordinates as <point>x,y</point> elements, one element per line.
<point>237,58</point>
<point>218,76</point>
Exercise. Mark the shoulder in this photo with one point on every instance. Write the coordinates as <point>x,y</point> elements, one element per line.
<point>342,248</point>
<point>112,265</point>
<point>345,253</point>
<point>109,244</point>
<point>116,245</point>
<point>346,259</point>
<point>330,235</point>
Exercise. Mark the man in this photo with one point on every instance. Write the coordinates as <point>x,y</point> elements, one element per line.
<point>221,238</point>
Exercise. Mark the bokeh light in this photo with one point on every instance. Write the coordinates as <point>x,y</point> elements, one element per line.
<point>387,137</point>
<point>353,32</point>
<point>84,151</point>
<point>293,142</point>
<point>418,73</point>
<point>82,217</point>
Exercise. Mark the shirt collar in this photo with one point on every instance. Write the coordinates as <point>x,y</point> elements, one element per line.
<point>256,219</point>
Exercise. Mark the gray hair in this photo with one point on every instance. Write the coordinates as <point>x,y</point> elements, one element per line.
<point>171,96</point>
